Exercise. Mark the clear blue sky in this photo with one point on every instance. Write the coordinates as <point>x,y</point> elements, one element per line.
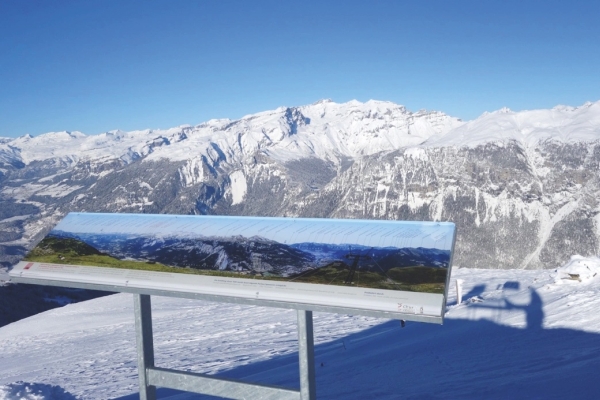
<point>438,235</point>
<point>95,66</point>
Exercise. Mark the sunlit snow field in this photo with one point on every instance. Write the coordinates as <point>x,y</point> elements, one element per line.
<point>517,334</point>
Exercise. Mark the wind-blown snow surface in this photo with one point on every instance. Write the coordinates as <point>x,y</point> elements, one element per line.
<point>518,334</point>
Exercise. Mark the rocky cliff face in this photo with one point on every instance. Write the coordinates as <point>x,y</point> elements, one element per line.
<point>522,187</point>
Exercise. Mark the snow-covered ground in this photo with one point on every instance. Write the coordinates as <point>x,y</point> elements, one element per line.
<point>518,334</point>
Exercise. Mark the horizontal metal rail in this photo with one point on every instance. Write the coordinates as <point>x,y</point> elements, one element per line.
<point>206,384</point>
<point>235,300</point>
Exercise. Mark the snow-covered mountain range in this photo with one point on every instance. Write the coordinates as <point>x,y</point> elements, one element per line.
<point>522,186</point>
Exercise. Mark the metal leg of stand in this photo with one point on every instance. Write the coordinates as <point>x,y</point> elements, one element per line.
<point>306,353</point>
<point>145,347</point>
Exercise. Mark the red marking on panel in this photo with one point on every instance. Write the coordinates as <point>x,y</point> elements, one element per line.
<point>28,266</point>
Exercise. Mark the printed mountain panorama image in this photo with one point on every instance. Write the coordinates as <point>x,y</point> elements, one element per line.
<point>408,269</point>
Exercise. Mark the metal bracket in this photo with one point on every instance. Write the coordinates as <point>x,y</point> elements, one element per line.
<point>152,377</point>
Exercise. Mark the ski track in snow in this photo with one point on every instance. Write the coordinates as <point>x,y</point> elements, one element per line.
<point>516,334</point>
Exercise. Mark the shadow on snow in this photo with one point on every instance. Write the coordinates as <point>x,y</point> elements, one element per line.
<point>467,359</point>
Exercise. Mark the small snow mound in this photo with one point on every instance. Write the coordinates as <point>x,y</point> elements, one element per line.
<point>33,391</point>
<point>578,269</point>
<point>474,299</point>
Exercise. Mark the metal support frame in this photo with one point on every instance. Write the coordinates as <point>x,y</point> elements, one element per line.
<point>152,377</point>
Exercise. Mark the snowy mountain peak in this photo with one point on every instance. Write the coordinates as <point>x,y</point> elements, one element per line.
<point>325,129</point>
<point>322,101</point>
<point>530,127</point>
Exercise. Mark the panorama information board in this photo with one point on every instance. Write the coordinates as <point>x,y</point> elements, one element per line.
<point>397,267</point>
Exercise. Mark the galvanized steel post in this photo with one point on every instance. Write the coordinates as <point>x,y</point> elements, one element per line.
<point>306,354</point>
<point>145,347</point>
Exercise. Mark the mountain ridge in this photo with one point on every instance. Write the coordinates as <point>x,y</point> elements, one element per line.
<point>141,143</point>
<point>522,187</point>
<point>260,130</point>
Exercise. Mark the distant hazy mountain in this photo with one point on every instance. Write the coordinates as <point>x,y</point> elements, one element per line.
<point>522,187</point>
